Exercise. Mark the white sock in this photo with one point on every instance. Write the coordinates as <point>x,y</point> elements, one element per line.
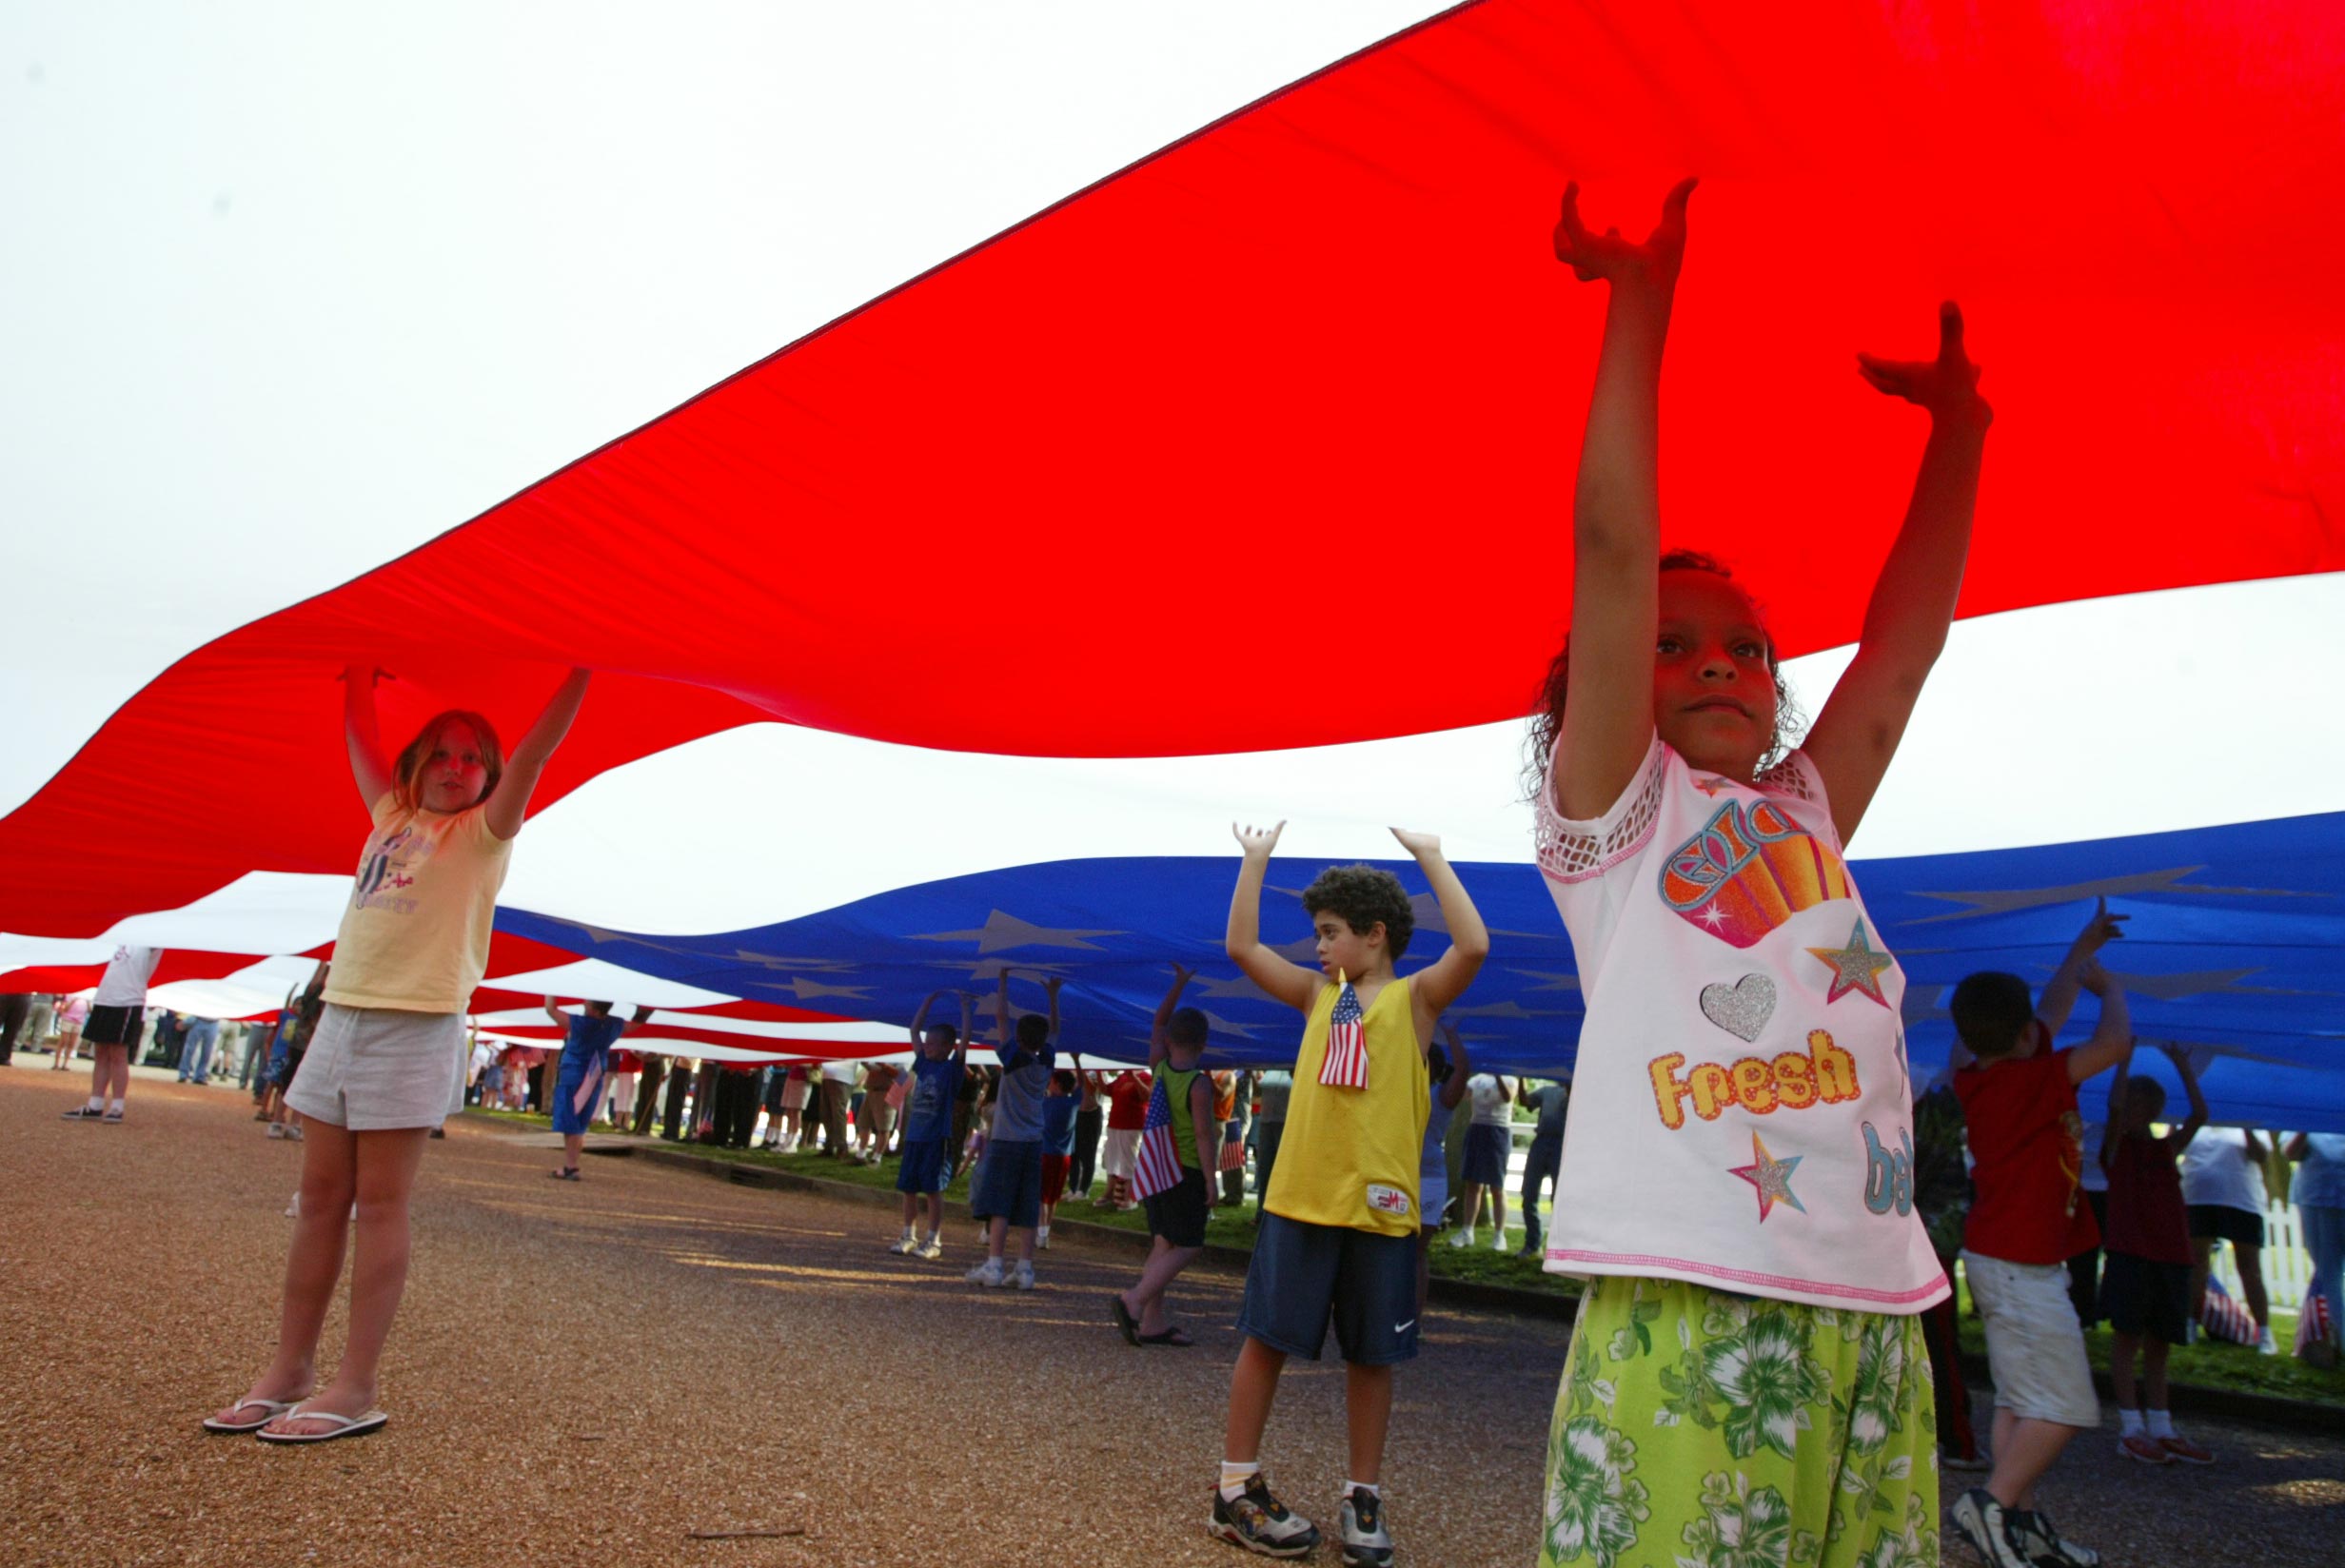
<point>1352,1487</point>
<point>907,1233</point>
<point>97,1101</point>
<point>2161,1424</point>
<point>114,1106</point>
<point>2128,1422</point>
<point>1234,1477</point>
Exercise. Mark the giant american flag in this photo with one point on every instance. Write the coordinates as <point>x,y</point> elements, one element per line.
<point>1160,1161</point>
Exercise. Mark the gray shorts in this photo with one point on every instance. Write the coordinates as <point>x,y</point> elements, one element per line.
<point>373,1069</point>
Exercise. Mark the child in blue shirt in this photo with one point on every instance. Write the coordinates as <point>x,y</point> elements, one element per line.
<point>940,1055</point>
<point>1059,1111</point>
<point>588,1039</point>
<point>1008,1190</point>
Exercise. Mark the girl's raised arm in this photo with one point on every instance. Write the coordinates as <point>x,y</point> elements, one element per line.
<point>1914,598</point>
<point>1616,510</point>
<point>363,732</point>
<point>510,804</point>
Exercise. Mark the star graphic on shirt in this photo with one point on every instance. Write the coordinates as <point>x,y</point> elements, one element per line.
<point>1772,1177</point>
<point>1856,967</point>
<point>1711,786</point>
<point>1007,930</point>
<point>1711,915</point>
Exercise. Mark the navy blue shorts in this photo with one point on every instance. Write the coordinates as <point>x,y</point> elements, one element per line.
<point>1010,1184</point>
<point>923,1166</point>
<point>1306,1275</point>
<point>1178,1213</point>
<point>1486,1149</point>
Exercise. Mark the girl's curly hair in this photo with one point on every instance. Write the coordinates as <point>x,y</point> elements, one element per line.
<point>1546,722</point>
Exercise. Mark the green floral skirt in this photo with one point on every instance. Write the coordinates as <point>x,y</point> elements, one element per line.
<point>1699,1429</point>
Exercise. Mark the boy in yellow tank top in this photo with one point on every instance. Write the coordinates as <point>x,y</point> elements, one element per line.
<point>1339,1221</point>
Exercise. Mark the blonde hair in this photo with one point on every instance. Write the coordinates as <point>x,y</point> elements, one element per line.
<point>409,770</point>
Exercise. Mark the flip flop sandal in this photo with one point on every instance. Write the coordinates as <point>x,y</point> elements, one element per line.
<point>568,1173</point>
<point>270,1410</point>
<point>352,1426</point>
<point>1126,1324</point>
<point>1173,1337</point>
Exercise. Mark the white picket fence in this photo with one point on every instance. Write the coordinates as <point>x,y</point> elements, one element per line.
<point>2286,1267</point>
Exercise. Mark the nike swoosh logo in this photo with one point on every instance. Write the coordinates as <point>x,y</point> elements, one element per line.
<point>1403,1328</point>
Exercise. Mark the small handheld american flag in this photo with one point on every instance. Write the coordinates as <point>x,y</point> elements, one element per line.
<point>1346,1064</point>
<point>1234,1154</point>
<point>1159,1164</point>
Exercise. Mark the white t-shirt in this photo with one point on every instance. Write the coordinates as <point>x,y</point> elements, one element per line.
<point>1490,1110</point>
<point>1743,1111</point>
<point>124,984</point>
<point>2215,1169</point>
<point>842,1072</point>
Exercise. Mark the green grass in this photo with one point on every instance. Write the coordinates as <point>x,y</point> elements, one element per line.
<point>1231,1228</point>
<point>2235,1367</point>
<point>2208,1364</point>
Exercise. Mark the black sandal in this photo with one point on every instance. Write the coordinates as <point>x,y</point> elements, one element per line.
<point>567,1173</point>
<point>1175,1337</point>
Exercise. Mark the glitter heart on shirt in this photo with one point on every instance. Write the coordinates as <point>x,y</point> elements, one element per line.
<point>1743,1008</point>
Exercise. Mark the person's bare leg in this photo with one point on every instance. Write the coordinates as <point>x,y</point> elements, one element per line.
<point>102,1067</point>
<point>1368,1415</point>
<point>2202,1259</point>
<point>997,1237</point>
<point>1498,1216</point>
<point>313,1263</point>
<point>2250,1260</point>
<point>2122,1350</point>
<point>1026,1243</point>
<point>1425,1267</point>
<point>386,1166</point>
<point>1254,1384</point>
<point>2022,1454</point>
<point>2154,1372</point>
<point>1146,1300</point>
<point>573,1145</point>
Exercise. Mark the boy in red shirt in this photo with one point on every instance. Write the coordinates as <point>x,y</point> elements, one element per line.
<point>2026,1142</point>
<point>2145,1288</point>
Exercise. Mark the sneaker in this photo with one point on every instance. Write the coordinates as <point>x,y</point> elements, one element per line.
<point>1461,1238</point>
<point>276,1129</point>
<point>2182,1448</point>
<point>2036,1535</point>
<point>1498,1243</point>
<point>1042,1237</point>
<point>1980,1461</point>
<point>1258,1522</point>
<point>1023,1278</point>
<point>904,1245</point>
<point>112,1116</point>
<point>1987,1528</point>
<point>2265,1345</point>
<point>1367,1543</point>
<point>2142,1447</point>
<point>932,1250</point>
<point>83,1114</point>
<point>986,1273</point>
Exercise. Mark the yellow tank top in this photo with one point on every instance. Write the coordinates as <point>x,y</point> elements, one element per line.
<point>1349,1156</point>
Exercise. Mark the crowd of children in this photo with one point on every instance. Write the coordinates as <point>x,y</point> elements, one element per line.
<point>1765,1220</point>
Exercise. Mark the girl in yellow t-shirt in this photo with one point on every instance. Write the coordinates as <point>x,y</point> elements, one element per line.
<point>385,1065</point>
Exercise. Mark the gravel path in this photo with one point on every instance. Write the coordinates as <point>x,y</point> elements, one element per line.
<point>584,1375</point>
